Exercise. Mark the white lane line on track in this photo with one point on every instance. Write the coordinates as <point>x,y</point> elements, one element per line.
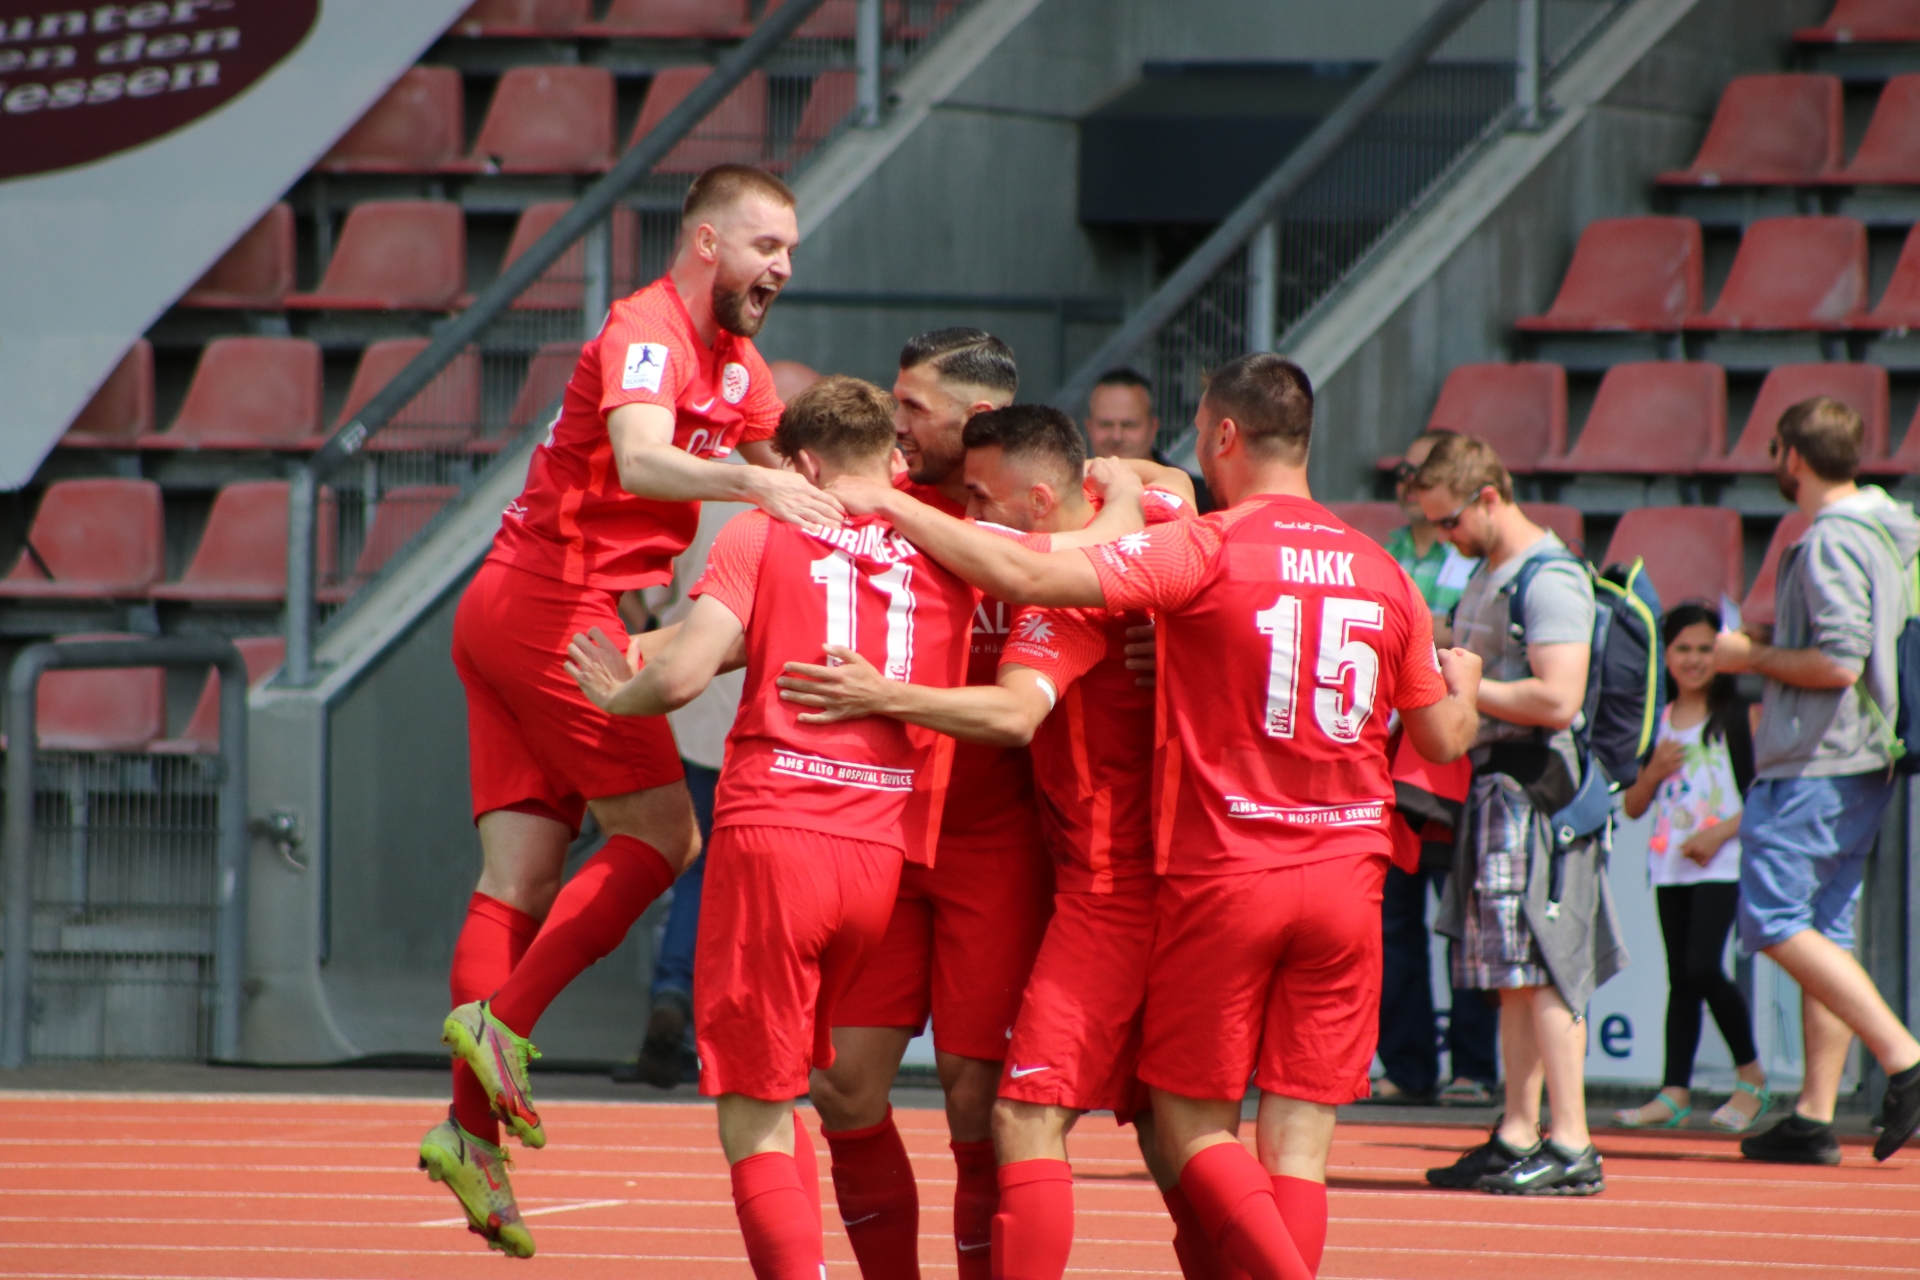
<point>1588,1259</point>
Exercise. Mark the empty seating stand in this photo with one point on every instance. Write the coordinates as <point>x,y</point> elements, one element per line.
<point>1899,306</point>
<point>257,272</point>
<point>248,393</point>
<point>1865,22</point>
<point>524,18</point>
<point>1758,606</point>
<point>121,411</point>
<point>117,709</point>
<point>829,101</point>
<point>201,735</point>
<point>1794,273</point>
<point>1862,386</point>
<point>1889,154</point>
<point>671,19</point>
<point>547,374</point>
<point>1770,129</point>
<point>1904,461</point>
<point>416,127</point>
<point>548,120</point>
<point>92,540</point>
<point>402,512</point>
<point>1561,519</point>
<point>242,556</point>
<point>1630,275</point>
<point>395,255</point>
<point>562,286</point>
<point>1519,409</point>
<point>1654,418</point>
<point>445,415</point>
<point>735,132</point>
<point>1692,553</point>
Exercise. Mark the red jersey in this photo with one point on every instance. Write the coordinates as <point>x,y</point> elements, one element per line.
<point>1285,636</point>
<point>1093,754</point>
<point>866,587</point>
<point>994,785</point>
<point>573,521</point>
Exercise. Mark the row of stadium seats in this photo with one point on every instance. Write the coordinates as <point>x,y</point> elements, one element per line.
<point>560,119</point>
<point>398,255</point>
<point>106,540</point>
<point>1789,129</point>
<point>1646,275</point>
<point>1655,417</point>
<point>1866,22</point>
<point>680,19</point>
<point>126,709</point>
<point>265,393</point>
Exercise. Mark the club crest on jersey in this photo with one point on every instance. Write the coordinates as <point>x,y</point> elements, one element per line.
<point>1318,568</point>
<point>1033,629</point>
<point>733,383</point>
<point>645,365</point>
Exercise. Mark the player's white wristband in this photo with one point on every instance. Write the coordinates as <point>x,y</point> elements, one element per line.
<point>1046,687</point>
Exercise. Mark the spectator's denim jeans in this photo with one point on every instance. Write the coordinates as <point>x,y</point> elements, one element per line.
<point>1803,852</point>
<point>673,968</point>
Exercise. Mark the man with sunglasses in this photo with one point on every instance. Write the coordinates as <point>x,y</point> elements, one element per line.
<point>1435,564</point>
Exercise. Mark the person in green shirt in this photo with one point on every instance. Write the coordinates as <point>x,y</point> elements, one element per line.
<point>1430,560</point>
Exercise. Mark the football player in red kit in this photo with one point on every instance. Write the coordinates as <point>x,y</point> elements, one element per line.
<point>811,823</point>
<point>671,386</point>
<point>1064,685</point>
<point>1285,639</point>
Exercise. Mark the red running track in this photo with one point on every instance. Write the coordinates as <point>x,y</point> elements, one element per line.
<point>156,1187</point>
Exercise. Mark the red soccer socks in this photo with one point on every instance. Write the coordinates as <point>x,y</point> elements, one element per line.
<point>879,1202</point>
<point>976,1198</point>
<point>589,918</point>
<point>1033,1232</point>
<point>1303,1207</point>
<point>491,942</point>
<point>1199,1259</point>
<point>778,1219</point>
<point>808,1166</point>
<point>1233,1198</point>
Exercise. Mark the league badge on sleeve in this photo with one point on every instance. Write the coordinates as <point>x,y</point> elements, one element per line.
<point>646,364</point>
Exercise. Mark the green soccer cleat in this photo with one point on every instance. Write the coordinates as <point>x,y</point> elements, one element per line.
<point>476,1172</point>
<point>499,1058</point>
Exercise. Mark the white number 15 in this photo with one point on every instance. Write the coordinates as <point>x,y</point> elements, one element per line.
<point>1337,655</point>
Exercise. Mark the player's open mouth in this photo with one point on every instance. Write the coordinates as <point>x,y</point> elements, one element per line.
<point>761,296</point>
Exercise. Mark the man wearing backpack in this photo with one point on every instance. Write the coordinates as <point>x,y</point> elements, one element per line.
<point>1529,912</point>
<point>1824,768</point>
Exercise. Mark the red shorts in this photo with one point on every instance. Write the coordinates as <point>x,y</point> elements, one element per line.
<point>1077,1040</point>
<point>533,739</point>
<point>959,946</point>
<point>1269,974</point>
<point>787,917</point>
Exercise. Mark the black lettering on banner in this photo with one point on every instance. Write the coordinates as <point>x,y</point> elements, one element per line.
<point>134,71</point>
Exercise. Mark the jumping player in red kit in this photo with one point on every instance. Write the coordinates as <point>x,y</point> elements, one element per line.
<point>811,823</point>
<point>1285,639</point>
<point>1065,686</point>
<point>671,385</point>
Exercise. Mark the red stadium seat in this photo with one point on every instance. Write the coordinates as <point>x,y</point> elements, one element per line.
<point>549,120</point>
<point>248,393</point>
<point>242,557</point>
<point>1900,305</point>
<point>443,416</point>
<point>1692,553</point>
<point>116,709</point>
<point>1377,520</point>
<point>1794,273</point>
<point>122,409</point>
<point>1890,153</point>
<point>1655,418</point>
<point>1758,606</point>
<point>1519,409</point>
<point>395,255</point>
<point>832,99</point>
<point>1562,519</point>
<point>833,20</point>
<point>523,18</point>
<point>1866,22</point>
<point>91,540</point>
<point>1904,461</point>
<point>671,19</point>
<point>401,513</point>
<point>263,656</point>
<point>1864,386</point>
<point>735,132</point>
<point>562,286</point>
<point>1770,129</point>
<point>1632,274</point>
<point>256,272</point>
<point>417,127</point>
<point>547,376</point>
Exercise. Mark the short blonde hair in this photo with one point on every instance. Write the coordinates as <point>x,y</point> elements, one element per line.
<point>1463,466</point>
<point>1827,433</point>
<point>845,419</point>
<point>722,185</point>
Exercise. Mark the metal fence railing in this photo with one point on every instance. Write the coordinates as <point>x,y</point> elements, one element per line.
<point>1415,119</point>
<point>809,70</point>
<point>124,884</point>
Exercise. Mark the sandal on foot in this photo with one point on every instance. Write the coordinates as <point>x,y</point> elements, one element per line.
<point>1728,1120</point>
<point>1677,1117</point>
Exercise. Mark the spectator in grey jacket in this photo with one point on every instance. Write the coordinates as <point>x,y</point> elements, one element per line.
<point>1823,773</point>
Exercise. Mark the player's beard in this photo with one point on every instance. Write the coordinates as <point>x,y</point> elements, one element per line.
<point>930,467</point>
<point>1789,485</point>
<point>730,310</point>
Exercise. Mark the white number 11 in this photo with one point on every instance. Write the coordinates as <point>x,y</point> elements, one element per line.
<point>1338,654</point>
<point>840,576</point>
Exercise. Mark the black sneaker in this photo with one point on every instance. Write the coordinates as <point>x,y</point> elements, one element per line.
<point>660,1051</point>
<point>1551,1170</point>
<point>1795,1140</point>
<point>1899,1111</point>
<point>1490,1157</point>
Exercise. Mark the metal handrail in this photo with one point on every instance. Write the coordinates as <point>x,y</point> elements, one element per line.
<point>230,930</point>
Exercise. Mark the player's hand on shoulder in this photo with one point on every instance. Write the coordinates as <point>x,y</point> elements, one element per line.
<point>789,496</point>
<point>598,667</point>
<point>1140,650</point>
<point>862,496</point>
<point>1460,668</point>
<point>1111,480</point>
<point>848,690</point>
